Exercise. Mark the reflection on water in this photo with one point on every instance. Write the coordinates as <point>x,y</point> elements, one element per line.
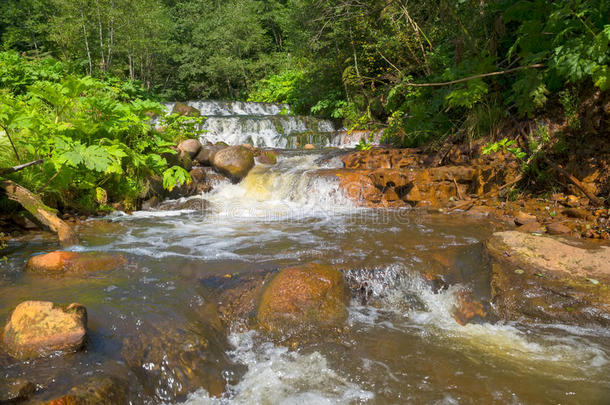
<point>402,344</point>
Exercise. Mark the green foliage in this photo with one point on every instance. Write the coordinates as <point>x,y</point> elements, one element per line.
<point>91,134</point>
<point>180,127</point>
<point>504,145</point>
<point>364,144</point>
<point>175,176</point>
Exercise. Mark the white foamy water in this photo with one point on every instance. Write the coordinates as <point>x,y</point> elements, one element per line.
<point>413,304</point>
<point>276,375</point>
<point>264,125</point>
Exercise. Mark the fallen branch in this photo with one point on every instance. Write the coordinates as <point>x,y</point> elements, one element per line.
<point>46,215</point>
<point>14,169</point>
<point>463,205</point>
<point>465,79</point>
<point>575,181</point>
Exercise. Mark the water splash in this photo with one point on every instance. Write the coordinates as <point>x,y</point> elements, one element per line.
<point>277,375</point>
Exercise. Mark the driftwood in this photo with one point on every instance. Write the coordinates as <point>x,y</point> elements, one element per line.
<point>596,201</point>
<point>46,215</point>
<point>14,169</point>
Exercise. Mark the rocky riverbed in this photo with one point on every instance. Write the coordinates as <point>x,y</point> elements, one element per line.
<point>316,277</point>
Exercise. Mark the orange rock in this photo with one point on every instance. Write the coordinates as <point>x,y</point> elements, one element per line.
<point>467,308</point>
<point>298,298</point>
<point>60,262</point>
<point>40,328</point>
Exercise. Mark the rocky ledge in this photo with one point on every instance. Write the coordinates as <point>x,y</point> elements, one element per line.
<point>547,279</point>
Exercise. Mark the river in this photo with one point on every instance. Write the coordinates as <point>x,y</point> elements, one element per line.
<point>401,343</point>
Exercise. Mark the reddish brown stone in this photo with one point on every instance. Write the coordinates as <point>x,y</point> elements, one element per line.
<point>60,262</point>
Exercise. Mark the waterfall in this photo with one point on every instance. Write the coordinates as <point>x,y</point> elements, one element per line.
<point>266,125</point>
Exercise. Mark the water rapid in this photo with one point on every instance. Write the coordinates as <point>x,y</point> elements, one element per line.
<point>401,344</point>
<point>266,125</point>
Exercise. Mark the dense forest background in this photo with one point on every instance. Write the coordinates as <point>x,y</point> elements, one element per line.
<point>79,79</point>
<point>370,62</point>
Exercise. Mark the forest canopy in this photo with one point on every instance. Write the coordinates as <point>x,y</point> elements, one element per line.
<point>377,63</point>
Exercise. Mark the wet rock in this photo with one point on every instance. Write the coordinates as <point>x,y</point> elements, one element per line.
<point>549,280</point>
<point>557,228</point>
<point>468,309</point>
<point>183,109</point>
<point>190,147</point>
<point>172,359</point>
<point>198,174</point>
<point>67,263</point>
<point>531,227</point>
<point>382,158</point>
<point>98,391</point>
<point>309,146</point>
<point>16,390</point>
<point>234,162</point>
<point>195,204</point>
<point>522,218</point>
<point>267,157</point>
<point>206,154</point>
<point>298,298</point>
<point>40,328</point>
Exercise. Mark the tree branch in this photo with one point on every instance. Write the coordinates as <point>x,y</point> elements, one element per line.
<point>465,79</point>
<point>20,167</point>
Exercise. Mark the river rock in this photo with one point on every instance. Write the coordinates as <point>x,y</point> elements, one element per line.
<point>530,227</point>
<point>190,146</point>
<point>546,279</point>
<point>40,328</point>
<point>575,213</point>
<point>183,109</point>
<point>309,146</point>
<point>193,203</point>
<point>206,154</point>
<point>522,218</point>
<point>60,263</point>
<point>16,390</point>
<point>99,390</point>
<point>557,228</point>
<point>234,162</point>
<point>298,298</point>
<point>267,157</point>
<point>172,358</point>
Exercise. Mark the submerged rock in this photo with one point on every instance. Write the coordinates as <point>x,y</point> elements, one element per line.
<point>97,390</point>
<point>194,203</point>
<point>40,328</point>
<point>549,280</point>
<point>298,298</point>
<point>172,359</point>
<point>234,161</point>
<point>16,390</point>
<point>190,147</point>
<point>60,263</point>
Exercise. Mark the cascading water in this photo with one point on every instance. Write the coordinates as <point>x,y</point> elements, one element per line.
<point>266,125</point>
<point>401,343</point>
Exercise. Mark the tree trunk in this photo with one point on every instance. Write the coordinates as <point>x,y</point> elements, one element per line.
<point>46,215</point>
<point>87,43</point>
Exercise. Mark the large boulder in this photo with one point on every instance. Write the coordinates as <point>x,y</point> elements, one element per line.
<point>190,147</point>
<point>41,328</point>
<point>299,298</point>
<point>60,263</point>
<point>206,154</point>
<point>183,109</point>
<point>235,162</point>
<point>548,279</point>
